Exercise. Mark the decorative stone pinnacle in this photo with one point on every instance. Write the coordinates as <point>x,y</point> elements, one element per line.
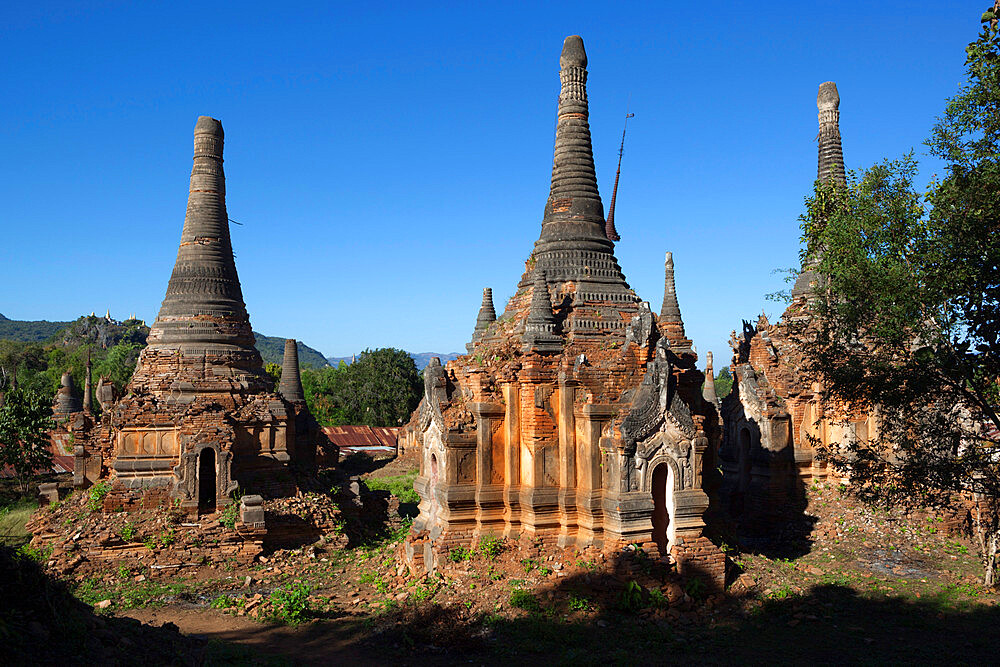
<point>709,390</point>
<point>573,53</point>
<point>66,402</point>
<point>290,385</point>
<point>88,401</point>
<point>487,315</point>
<point>670,311</point>
<point>540,325</point>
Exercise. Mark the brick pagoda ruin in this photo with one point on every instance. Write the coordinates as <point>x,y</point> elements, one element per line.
<point>775,417</point>
<point>199,418</point>
<point>577,417</point>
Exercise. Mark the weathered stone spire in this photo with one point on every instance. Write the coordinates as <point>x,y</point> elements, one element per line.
<point>290,385</point>
<point>88,400</point>
<point>670,311</point>
<point>830,165</point>
<point>66,401</point>
<point>829,168</point>
<point>573,245</point>
<point>540,325</point>
<point>487,316</point>
<point>204,289</point>
<point>709,390</point>
<point>203,320</point>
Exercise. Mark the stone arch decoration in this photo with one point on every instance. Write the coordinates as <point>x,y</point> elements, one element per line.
<point>186,473</point>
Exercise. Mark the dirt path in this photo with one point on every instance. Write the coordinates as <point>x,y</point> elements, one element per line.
<point>328,642</point>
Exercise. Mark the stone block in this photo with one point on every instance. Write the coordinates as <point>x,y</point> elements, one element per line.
<point>48,493</point>
<point>252,511</point>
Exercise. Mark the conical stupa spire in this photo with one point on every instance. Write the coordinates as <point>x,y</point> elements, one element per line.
<point>204,280</point>
<point>88,400</point>
<point>670,311</point>
<point>573,245</point>
<point>830,166</point>
<point>203,323</point>
<point>708,392</point>
<point>540,324</point>
<point>290,385</point>
<point>487,316</point>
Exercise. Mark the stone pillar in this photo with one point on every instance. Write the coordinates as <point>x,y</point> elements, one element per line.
<point>490,507</point>
<point>567,460</point>
<point>512,460</point>
<point>590,420</point>
<point>539,451</point>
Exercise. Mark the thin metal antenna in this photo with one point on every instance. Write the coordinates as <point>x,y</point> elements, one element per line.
<point>609,226</point>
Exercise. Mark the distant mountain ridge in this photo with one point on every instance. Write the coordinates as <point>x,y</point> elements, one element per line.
<point>29,331</point>
<point>421,359</point>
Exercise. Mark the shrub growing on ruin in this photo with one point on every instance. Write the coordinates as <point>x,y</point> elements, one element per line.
<point>291,603</point>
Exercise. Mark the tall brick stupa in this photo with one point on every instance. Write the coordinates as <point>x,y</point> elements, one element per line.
<point>775,417</point>
<point>199,418</point>
<point>577,416</point>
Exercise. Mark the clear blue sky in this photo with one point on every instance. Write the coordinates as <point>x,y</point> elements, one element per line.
<point>388,161</point>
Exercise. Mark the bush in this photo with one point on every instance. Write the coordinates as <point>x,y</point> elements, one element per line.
<point>230,514</point>
<point>491,546</point>
<point>128,532</point>
<point>291,604</point>
<point>459,554</point>
<point>97,492</point>
<point>631,597</point>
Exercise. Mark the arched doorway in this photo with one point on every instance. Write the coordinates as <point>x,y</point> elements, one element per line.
<point>206,479</point>
<point>663,507</point>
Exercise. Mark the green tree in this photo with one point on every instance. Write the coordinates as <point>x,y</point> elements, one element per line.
<point>906,325</point>
<point>723,383</point>
<point>25,420</point>
<point>274,371</point>
<point>383,387</point>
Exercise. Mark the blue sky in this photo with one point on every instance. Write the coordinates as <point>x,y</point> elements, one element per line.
<point>388,161</point>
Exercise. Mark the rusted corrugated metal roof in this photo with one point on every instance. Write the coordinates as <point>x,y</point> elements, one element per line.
<point>387,435</point>
<point>366,439</point>
<point>60,464</point>
<point>351,436</point>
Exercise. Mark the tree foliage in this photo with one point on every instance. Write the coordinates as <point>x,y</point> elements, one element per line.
<point>381,388</point>
<point>25,420</point>
<point>906,325</point>
<point>723,383</point>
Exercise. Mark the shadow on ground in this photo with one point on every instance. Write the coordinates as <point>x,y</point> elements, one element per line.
<point>596,618</point>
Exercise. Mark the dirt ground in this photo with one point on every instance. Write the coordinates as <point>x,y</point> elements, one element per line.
<point>840,583</point>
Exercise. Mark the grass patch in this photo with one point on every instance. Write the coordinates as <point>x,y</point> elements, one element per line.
<point>400,486</point>
<point>12,520</point>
